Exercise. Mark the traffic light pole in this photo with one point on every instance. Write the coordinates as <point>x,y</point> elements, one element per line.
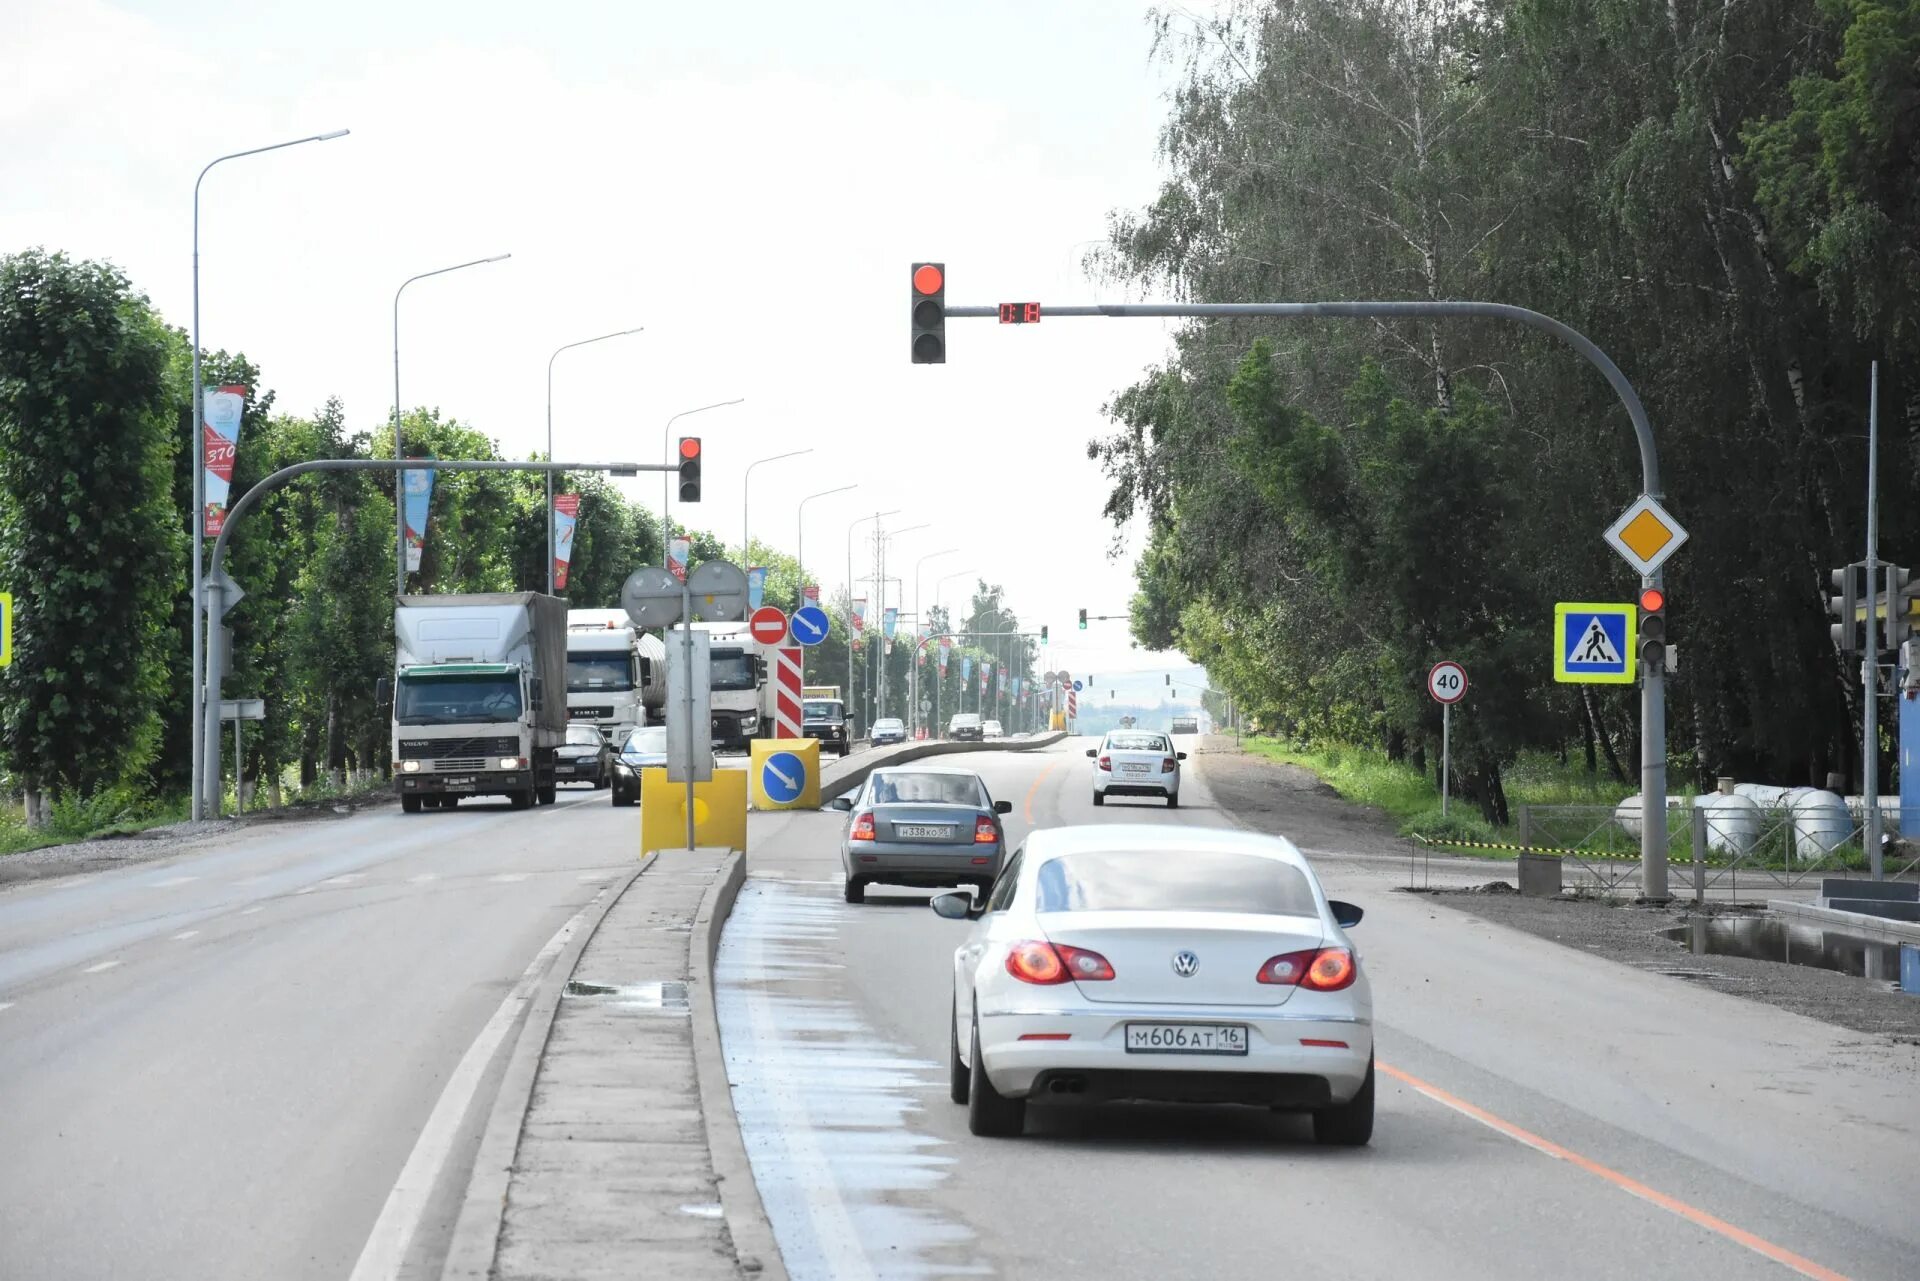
<point>1653,704</point>
<point>1870,653</point>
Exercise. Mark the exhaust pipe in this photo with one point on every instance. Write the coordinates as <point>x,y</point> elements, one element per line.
<point>1067,1085</point>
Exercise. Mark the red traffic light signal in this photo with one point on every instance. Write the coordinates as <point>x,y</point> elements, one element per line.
<point>1653,600</point>
<point>929,316</point>
<point>689,469</point>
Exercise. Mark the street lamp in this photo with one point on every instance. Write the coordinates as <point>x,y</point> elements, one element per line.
<point>666,477</point>
<point>938,583</point>
<point>196,452</point>
<point>880,581</point>
<point>620,333</point>
<point>859,521</point>
<point>400,475</point>
<point>919,622</point>
<point>746,489</point>
<point>800,537</point>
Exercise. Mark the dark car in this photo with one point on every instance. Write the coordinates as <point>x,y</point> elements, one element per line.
<point>826,720</point>
<point>644,747</point>
<point>965,727</point>
<point>583,758</point>
<point>923,826</point>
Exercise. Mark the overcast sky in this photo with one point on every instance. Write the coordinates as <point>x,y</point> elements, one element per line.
<point>749,180</point>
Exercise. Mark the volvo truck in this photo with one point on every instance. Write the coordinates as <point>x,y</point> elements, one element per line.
<point>616,674</point>
<point>479,697</point>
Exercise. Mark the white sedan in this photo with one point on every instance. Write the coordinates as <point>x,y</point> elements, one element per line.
<point>1176,964</point>
<point>1136,763</point>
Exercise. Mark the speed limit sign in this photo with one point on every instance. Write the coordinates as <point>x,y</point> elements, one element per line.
<point>1447,681</point>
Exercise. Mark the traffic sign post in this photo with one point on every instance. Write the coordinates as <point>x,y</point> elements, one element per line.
<point>1447,683</point>
<point>810,625</point>
<point>768,625</point>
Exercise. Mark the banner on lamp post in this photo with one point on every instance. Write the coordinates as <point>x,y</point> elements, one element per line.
<point>566,519</point>
<point>946,652</point>
<point>966,668</point>
<point>890,620</point>
<point>756,585</point>
<point>678,552</point>
<point>812,593</point>
<point>859,616</point>
<point>219,446</point>
<point>417,495</point>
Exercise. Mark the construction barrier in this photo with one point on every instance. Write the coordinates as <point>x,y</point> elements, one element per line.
<point>719,811</point>
<point>785,774</point>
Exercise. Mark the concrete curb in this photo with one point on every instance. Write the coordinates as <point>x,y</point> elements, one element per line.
<point>1873,927</point>
<point>857,770</point>
<point>747,1222</point>
<point>476,1233</point>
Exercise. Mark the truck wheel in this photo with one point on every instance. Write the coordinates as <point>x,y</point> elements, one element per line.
<point>549,793</point>
<point>522,800</point>
<point>410,804</point>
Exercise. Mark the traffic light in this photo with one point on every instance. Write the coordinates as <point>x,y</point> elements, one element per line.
<point>1899,615</point>
<point>1083,620</point>
<point>689,469</point>
<point>1653,628</point>
<point>1845,608</point>
<point>929,313</point>
<point>1043,633</point>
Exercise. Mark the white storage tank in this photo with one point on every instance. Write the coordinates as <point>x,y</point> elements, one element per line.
<point>1733,823</point>
<point>1821,822</point>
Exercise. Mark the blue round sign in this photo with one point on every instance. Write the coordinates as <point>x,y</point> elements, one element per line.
<point>784,776</point>
<point>809,625</point>
<point>1077,687</point>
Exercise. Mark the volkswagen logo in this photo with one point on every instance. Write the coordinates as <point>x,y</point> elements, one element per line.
<point>1186,964</point>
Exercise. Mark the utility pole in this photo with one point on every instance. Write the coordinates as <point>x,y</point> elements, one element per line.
<point>1870,652</point>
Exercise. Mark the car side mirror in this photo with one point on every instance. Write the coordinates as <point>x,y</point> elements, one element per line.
<point>382,692</point>
<point>842,803</point>
<point>1003,807</point>
<point>1092,752</point>
<point>1181,755</point>
<point>952,907</point>
<point>1346,915</point>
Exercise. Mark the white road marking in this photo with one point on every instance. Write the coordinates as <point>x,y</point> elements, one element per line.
<point>95,969</point>
<point>508,878</point>
<point>345,878</point>
<point>249,911</point>
<point>399,1222</point>
<point>423,878</point>
<point>184,935</point>
<point>170,882</point>
<point>6,1005</point>
<point>305,889</point>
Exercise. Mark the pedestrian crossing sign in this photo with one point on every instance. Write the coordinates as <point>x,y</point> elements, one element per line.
<point>1593,644</point>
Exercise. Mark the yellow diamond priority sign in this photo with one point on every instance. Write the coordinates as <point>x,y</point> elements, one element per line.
<point>1645,535</point>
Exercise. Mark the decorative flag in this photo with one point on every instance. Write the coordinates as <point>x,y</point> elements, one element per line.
<point>986,672</point>
<point>418,495</point>
<point>756,585</point>
<point>890,620</point>
<point>219,444</point>
<point>859,616</point>
<point>566,517</point>
<point>966,668</point>
<point>678,553</point>
<point>946,651</point>
<point>812,593</point>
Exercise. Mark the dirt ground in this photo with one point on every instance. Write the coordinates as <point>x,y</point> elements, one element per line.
<point>1290,801</point>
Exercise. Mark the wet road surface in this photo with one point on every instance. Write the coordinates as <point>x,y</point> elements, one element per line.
<point>1541,1112</point>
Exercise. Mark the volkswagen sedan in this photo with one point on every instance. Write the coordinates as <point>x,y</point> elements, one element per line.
<point>1174,964</point>
<point>923,826</point>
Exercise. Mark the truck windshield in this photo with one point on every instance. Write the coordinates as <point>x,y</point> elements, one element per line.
<point>731,669</point>
<point>446,700</point>
<point>602,671</point>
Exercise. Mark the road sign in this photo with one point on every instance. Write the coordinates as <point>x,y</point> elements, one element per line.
<point>789,680</point>
<point>1447,681</point>
<point>1050,677</point>
<point>689,695</point>
<point>810,625</point>
<point>6,629</point>
<point>222,592</point>
<point>768,625</point>
<point>651,597</point>
<point>719,592</point>
<point>784,776</point>
<point>1593,644</point>
<point>1077,687</point>
<point>1645,535</point>
<point>243,709</point>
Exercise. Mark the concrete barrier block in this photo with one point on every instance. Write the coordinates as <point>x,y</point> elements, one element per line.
<point>1540,875</point>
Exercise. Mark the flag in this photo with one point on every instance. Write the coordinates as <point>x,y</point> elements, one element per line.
<point>756,585</point>
<point>418,501</point>
<point>219,444</point>
<point>946,651</point>
<point>566,518</point>
<point>890,620</point>
<point>812,593</point>
<point>859,616</point>
<point>678,552</point>
<point>966,668</point>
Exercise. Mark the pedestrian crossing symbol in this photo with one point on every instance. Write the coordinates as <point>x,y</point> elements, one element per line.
<point>1593,644</point>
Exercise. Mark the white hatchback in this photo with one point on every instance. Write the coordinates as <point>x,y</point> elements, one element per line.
<point>1175,964</point>
<point>1136,763</point>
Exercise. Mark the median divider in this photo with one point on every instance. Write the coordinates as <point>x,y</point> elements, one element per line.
<point>848,773</point>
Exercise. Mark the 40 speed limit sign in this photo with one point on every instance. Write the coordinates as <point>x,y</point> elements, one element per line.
<point>1447,681</point>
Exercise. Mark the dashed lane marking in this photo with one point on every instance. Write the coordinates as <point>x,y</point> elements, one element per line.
<point>103,965</point>
<point>184,935</point>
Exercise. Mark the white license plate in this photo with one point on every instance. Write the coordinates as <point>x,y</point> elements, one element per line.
<point>1134,769</point>
<point>922,832</point>
<point>1186,1038</point>
<point>457,784</point>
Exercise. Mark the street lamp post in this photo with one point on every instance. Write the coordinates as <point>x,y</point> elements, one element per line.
<point>919,621</point>
<point>746,491</point>
<point>850,588</point>
<point>399,477</point>
<point>938,583</point>
<point>196,452</point>
<point>666,477</point>
<point>800,539</point>
<point>619,333</point>
<point>880,585</point>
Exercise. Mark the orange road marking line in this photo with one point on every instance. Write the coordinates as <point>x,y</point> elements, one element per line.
<point>1034,791</point>
<point>1673,1205</point>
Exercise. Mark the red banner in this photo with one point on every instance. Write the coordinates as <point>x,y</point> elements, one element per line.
<point>566,517</point>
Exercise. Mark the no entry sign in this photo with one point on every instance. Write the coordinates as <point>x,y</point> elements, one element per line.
<point>768,625</point>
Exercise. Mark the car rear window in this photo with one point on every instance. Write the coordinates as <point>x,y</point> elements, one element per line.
<point>924,789</point>
<point>1136,743</point>
<point>1172,880</point>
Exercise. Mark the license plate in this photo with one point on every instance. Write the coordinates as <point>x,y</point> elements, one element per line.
<point>1186,1038</point>
<point>457,784</point>
<point>922,832</point>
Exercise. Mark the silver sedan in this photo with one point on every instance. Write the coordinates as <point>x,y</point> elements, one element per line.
<point>923,827</point>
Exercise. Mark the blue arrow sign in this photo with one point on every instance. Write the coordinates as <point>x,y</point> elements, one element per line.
<point>1078,687</point>
<point>810,625</point>
<point>784,776</point>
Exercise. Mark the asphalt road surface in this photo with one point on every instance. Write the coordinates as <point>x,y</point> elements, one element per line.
<point>218,1065</point>
<point>1542,1112</point>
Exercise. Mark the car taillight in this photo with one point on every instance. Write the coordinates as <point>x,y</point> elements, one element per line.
<point>1106,763</point>
<point>1326,969</point>
<point>862,828</point>
<point>1168,765</point>
<point>984,832</point>
<point>1033,961</point>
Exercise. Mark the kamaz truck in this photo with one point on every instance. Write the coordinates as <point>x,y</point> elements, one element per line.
<point>479,697</point>
<point>616,674</point>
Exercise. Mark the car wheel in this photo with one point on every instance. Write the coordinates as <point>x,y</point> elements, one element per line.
<point>1099,798</point>
<point>958,1077</point>
<point>410,804</point>
<point>1350,1124</point>
<point>1173,801</point>
<point>856,890</point>
<point>989,1113</point>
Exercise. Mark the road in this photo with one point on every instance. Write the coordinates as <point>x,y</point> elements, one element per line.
<point>1541,1112</point>
<point>218,1065</point>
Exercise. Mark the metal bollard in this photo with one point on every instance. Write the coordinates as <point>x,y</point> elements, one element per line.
<point>1699,855</point>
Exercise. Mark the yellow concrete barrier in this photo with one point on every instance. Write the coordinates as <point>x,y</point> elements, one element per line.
<point>785,774</point>
<point>719,811</point>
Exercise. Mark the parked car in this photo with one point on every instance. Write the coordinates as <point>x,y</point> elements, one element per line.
<point>1174,964</point>
<point>921,826</point>
<point>645,747</point>
<point>583,758</point>
<point>888,729</point>
<point>991,729</point>
<point>965,727</point>
<point>1136,763</point>
<point>826,720</point>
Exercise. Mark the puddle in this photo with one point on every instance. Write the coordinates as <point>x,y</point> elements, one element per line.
<point>671,997</point>
<point>1770,939</point>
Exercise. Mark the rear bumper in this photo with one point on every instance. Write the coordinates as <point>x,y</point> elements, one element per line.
<point>896,864</point>
<point>1136,784</point>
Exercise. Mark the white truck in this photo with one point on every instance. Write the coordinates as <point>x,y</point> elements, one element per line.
<point>741,698</point>
<point>616,673</point>
<point>479,697</point>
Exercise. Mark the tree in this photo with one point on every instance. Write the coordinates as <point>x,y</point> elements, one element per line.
<point>91,549</point>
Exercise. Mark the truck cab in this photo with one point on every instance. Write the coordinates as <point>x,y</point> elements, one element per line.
<point>616,678</point>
